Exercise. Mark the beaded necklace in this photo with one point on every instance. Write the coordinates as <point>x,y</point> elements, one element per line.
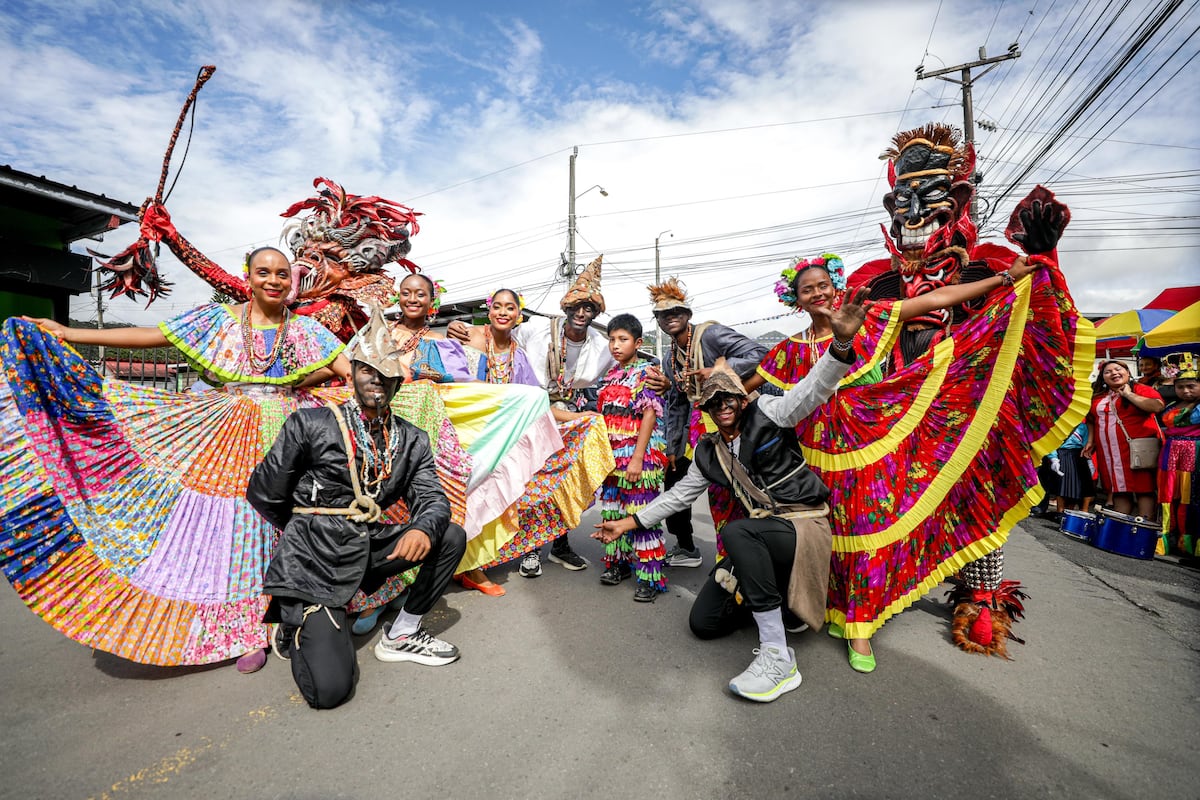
<point>500,364</point>
<point>376,465</point>
<point>564,381</point>
<point>810,339</point>
<point>683,358</point>
<point>413,341</point>
<point>260,366</point>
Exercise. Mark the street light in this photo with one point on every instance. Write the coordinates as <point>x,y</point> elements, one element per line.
<point>658,280</point>
<point>603,191</point>
<point>571,198</point>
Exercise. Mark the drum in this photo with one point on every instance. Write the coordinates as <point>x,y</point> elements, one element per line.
<point>1079,525</point>
<point>1125,535</point>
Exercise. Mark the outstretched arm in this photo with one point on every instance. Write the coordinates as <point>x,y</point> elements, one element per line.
<point>136,338</point>
<point>954,294</point>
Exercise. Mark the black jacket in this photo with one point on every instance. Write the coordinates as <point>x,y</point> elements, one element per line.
<point>322,559</point>
<point>772,458</point>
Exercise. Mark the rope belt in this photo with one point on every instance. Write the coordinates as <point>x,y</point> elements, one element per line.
<point>362,508</point>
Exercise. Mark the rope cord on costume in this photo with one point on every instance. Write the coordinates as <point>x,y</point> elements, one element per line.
<point>363,508</point>
<point>312,610</point>
<point>202,77</point>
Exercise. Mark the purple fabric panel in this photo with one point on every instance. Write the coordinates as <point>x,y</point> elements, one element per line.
<point>192,559</point>
<point>523,372</point>
<point>454,360</point>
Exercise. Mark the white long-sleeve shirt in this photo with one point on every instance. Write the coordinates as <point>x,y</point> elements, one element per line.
<point>785,411</point>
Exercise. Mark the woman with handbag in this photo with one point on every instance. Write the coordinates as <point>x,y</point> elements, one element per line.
<point>1119,426</point>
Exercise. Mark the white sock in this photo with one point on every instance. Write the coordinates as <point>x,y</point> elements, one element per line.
<point>770,629</point>
<point>405,624</point>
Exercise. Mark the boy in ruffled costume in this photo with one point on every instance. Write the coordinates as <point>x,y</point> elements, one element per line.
<point>633,414</point>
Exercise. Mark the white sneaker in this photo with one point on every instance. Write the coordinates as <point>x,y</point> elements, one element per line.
<point>770,674</point>
<point>421,647</point>
<point>531,565</point>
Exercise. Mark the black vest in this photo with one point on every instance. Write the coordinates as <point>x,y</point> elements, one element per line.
<point>771,456</point>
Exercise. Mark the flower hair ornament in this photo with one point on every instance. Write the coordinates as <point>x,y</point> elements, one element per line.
<point>436,302</point>
<point>520,300</point>
<point>830,262</point>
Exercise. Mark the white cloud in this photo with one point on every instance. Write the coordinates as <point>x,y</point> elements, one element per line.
<point>405,107</point>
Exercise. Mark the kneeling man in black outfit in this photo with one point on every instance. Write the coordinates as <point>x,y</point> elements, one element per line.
<point>325,482</point>
<point>755,453</point>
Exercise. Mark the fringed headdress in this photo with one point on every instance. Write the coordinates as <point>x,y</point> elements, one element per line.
<point>669,294</point>
<point>946,153</point>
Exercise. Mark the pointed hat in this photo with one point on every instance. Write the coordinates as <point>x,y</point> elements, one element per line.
<point>373,346</point>
<point>586,288</point>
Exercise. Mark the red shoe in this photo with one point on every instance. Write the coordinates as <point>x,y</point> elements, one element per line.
<point>489,588</point>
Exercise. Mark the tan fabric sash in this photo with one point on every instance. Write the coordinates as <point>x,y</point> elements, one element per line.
<point>808,586</point>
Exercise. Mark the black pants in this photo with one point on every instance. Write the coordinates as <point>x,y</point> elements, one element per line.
<point>324,664</point>
<point>679,524</point>
<point>761,552</point>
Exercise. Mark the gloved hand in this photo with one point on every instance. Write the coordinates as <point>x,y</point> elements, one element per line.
<point>1056,467</point>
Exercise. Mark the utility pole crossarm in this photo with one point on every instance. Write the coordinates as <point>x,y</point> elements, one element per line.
<point>967,82</point>
<point>922,74</point>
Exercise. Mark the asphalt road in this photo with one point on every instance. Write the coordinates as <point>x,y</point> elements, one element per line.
<point>570,689</point>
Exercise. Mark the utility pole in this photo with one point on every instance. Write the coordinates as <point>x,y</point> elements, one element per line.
<point>657,280</point>
<point>99,317</point>
<point>571,216</point>
<point>966,81</point>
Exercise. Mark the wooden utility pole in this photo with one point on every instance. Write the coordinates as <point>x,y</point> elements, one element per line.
<point>966,81</point>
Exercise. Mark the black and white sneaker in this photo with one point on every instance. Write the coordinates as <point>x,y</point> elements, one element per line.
<point>568,558</point>
<point>531,565</point>
<point>615,574</point>
<point>421,647</point>
<point>281,640</point>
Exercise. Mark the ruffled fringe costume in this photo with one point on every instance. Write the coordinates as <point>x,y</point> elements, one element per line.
<point>1177,486</point>
<point>623,399</point>
<point>123,518</point>
<point>931,467</point>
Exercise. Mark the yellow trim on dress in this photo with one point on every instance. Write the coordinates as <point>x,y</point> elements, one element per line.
<point>968,446</point>
<point>943,357</point>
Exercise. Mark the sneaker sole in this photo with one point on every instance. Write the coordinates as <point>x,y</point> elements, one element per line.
<point>529,574</point>
<point>614,581</point>
<point>567,564</point>
<point>689,562</point>
<point>391,656</point>
<point>783,687</point>
<point>275,648</point>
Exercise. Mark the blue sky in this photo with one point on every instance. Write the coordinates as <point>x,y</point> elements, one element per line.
<point>748,128</point>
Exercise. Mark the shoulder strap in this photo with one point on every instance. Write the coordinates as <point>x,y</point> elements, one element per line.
<point>553,357</point>
<point>743,488</point>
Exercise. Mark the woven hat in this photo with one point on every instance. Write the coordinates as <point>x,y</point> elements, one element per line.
<point>722,380</point>
<point>669,294</point>
<point>586,288</point>
<point>373,346</point>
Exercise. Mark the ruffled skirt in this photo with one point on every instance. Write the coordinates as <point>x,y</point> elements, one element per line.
<point>123,518</point>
